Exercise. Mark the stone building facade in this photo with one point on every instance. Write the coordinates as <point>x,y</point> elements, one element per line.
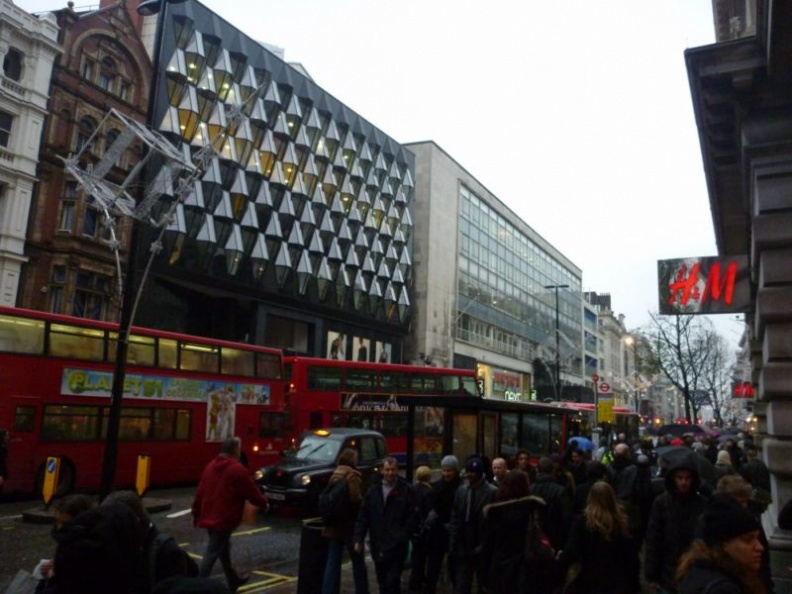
<point>28,48</point>
<point>71,268</point>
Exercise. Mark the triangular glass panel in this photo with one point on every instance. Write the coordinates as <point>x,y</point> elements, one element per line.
<point>307,221</point>
<point>344,235</point>
<point>352,260</point>
<point>398,237</point>
<point>224,209</point>
<point>206,235</point>
<point>283,266</point>
<point>264,198</point>
<point>368,265</point>
<point>286,209</point>
<point>315,245</point>
<point>384,272</point>
<point>304,273</point>
<point>250,219</point>
<point>274,230</point>
<point>359,291</point>
<point>398,277</point>
<point>365,154</point>
<point>404,305</point>
<point>296,237</point>
<point>324,279</point>
<point>334,254</point>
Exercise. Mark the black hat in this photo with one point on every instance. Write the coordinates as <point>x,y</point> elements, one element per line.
<point>475,465</point>
<point>724,518</point>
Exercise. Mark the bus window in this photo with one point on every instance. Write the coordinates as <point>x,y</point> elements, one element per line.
<point>76,342</point>
<point>171,424</point>
<point>199,357</point>
<point>18,335</point>
<point>449,384</point>
<point>237,362</point>
<point>393,381</point>
<point>274,424</point>
<point>423,383</point>
<point>268,366</point>
<point>135,424</point>
<point>536,434</point>
<point>70,423</point>
<point>167,353</point>
<point>141,350</point>
<point>508,432</point>
<point>361,379</point>
<point>24,417</point>
<point>470,386</point>
<point>324,378</point>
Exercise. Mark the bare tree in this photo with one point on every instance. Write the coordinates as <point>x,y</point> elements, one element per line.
<point>679,348</point>
<point>716,375</point>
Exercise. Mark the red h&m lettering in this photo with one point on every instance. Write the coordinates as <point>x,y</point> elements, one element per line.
<point>686,284</point>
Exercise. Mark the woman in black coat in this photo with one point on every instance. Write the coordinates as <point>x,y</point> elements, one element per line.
<point>601,543</point>
<point>506,568</point>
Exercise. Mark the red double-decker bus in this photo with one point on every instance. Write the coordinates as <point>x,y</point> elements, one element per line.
<point>182,396</point>
<point>333,393</point>
<point>625,420</point>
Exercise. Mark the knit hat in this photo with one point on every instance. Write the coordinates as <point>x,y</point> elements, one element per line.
<point>475,465</point>
<point>724,518</point>
<point>723,458</point>
<point>450,462</point>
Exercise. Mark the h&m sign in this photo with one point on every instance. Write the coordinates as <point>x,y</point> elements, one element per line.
<point>707,285</point>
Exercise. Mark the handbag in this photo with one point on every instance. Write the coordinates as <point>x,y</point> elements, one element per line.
<point>570,585</point>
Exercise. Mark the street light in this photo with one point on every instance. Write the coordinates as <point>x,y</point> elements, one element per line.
<point>557,340</point>
<point>129,299</point>
<point>630,341</point>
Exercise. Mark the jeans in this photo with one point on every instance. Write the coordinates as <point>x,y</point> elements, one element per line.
<point>389,569</point>
<point>332,569</point>
<point>219,547</point>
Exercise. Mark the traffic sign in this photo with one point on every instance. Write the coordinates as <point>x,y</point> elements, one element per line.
<point>604,388</point>
<point>595,378</point>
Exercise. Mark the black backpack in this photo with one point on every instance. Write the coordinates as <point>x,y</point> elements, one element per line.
<point>167,559</point>
<point>334,504</point>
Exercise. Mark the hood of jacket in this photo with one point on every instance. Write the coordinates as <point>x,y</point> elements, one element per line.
<point>223,462</point>
<point>687,463</point>
<point>527,504</point>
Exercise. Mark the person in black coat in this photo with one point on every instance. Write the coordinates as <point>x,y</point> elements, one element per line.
<point>422,498</point>
<point>558,514</point>
<point>727,557</point>
<point>672,523</point>
<point>389,517</point>
<point>595,471</point>
<point>505,568</point>
<point>442,502</point>
<point>601,542</point>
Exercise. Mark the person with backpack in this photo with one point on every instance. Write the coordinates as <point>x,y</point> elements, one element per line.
<point>339,505</point>
<point>161,556</point>
<point>218,507</point>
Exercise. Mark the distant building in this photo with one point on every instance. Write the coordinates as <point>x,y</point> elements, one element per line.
<point>71,268</point>
<point>481,297</point>
<point>28,49</point>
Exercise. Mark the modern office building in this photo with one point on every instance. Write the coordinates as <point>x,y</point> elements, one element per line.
<point>28,48</point>
<point>740,89</point>
<point>297,234</point>
<point>490,292</point>
<point>71,268</point>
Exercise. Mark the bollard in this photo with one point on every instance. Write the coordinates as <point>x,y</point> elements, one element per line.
<point>313,556</point>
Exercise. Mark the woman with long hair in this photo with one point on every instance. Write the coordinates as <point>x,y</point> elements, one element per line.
<point>727,557</point>
<point>601,545</point>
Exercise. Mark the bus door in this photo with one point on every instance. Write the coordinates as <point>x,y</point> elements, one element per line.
<point>23,458</point>
<point>489,434</point>
<point>464,433</point>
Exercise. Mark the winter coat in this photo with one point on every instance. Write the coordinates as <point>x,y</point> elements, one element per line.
<point>607,567</point>
<point>672,526</point>
<point>465,530</point>
<point>558,514</point>
<point>505,569</point>
<point>220,499</point>
<point>423,496</point>
<point>703,575</point>
<point>346,529</point>
<point>389,523</point>
<point>442,503</point>
<point>755,472</point>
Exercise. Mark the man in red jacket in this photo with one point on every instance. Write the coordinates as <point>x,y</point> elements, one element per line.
<point>219,503</point>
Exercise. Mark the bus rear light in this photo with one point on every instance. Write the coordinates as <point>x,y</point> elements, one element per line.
<point>255,448</point>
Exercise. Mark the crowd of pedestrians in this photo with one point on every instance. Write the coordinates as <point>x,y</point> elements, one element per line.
<point>579,523</point>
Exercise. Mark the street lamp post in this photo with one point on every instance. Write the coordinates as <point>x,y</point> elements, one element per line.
<point>557,340</point>
<point>630,340</point>
<point>130,296</point>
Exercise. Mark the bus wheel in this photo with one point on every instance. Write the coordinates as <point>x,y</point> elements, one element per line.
<point>67,477</point>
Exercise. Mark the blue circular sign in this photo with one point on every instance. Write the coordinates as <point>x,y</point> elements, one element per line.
<point>51,466</point>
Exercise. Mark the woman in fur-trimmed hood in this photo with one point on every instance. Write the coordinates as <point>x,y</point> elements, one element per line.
<point>505,568</point>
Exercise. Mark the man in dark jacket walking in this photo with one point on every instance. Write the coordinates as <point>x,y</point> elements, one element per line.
<point>633,488</point>
<point>443,492</point>
<point>466,529</point>
<point>218,506</point>
<point>389,517</point>
<point>672,524</point>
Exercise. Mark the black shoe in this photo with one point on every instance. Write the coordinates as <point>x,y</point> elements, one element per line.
<point>241,581</point>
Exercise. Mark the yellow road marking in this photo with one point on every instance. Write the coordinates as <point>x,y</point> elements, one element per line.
<point>254,531</point>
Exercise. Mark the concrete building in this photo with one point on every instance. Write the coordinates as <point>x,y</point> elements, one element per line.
<point>485,295</point>
<point>741,89</point>
<point>28,48</point>
<point>71,268</point>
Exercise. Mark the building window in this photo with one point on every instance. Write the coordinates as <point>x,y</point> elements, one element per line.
<point>6,120</point>
<point>68,207</point>
<point>85,132</point>
<point>90,295</point>
<point>87,69</point>
<point>57,282</point>
<point>107,74</point>
<point>90,221</point>
<point>123,91</point>
<point>12,64</point>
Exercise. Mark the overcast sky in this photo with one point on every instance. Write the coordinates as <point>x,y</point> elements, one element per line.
<point>575,114</point>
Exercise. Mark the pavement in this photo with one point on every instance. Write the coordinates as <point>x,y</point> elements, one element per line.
<point>46,514</point>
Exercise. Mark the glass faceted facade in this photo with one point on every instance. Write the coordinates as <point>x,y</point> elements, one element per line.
<point>303,200</point>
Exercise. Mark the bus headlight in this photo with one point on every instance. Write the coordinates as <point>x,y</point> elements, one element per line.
<point>305,480</point>
<point>259,474</point>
